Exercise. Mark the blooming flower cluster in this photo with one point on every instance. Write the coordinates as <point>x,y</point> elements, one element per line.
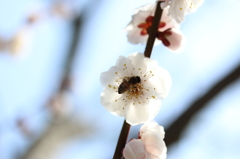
<point>168,30</point>
<point>150,144</point>
<point>134,88</point>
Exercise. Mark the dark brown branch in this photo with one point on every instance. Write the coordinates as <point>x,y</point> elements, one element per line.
<point>151,39</point>
<point>174,131</point>
<point>122,140</point>
<point>153,30</point>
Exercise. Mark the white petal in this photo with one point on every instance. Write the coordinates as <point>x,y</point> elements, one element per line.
<point>177,41</point>
<point>111,100</point>
<point>161,81</point>
<point>138,61</point>
<point>137,114</point>
<point>135,149</point>
<point>140,113</point>
<point>124,64</point>
<point>180,8</point>
<point>109,77</point>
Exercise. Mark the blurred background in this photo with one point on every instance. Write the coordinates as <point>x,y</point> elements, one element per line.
<point>52,53</point>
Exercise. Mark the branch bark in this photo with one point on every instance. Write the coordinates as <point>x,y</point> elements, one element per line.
<point>174,131</point>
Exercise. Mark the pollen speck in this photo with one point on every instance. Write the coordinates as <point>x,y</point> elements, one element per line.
<point>109,86</point>
<point>125,64</point>
<point>116,73</point>
<point>139,69</point>
<point>153,96</point>
<point>114,87</point>
<point>180,8</point>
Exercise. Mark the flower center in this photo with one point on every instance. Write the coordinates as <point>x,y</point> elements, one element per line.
<point>135,91</point>
<point>163,36</point>
<point>145,26</point>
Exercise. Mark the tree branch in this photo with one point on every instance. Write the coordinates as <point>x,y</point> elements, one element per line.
<point>174,131</point>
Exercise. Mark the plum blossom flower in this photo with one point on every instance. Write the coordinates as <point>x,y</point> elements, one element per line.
<point>150,144</point>
<point>134,88</point>
<point>168,31</point>
<point>179,8</point>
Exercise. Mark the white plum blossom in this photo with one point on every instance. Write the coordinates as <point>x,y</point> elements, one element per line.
<point>179,8</point>
<point>168,31</point>
<point>134,88</point>
<point>150,144</point>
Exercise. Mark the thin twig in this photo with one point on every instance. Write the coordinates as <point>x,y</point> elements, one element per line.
<point>64,83</point>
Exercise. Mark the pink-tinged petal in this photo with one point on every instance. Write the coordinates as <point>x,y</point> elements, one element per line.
<point>153,143</point>
<point>153,127</point>
<point>177,40</point>
<point>165,4</point>
<point>134,36</point>
<point>168,20</point>
<point>135,149</point>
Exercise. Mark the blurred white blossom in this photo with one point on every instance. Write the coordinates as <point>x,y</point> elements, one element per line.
<point>168,32</point>
<point>64,9</point>
<point>150,144</point>
<point>179,8</point>
<point>134,88</point>
<point>20,42</point>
